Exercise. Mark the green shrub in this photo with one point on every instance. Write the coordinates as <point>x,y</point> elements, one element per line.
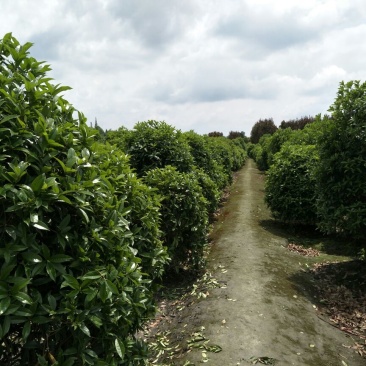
<point>221,151</point>
<point>260,152</point>
<point>142,207</point>
<point>203,159</point>
<point>275,143</point>
<point>262,127</point>
<point>154,144</point>
<point>72,289</point>
<point>184,218</point>
<point>118,138</point>
<point>342,170</point>
<point>239,154</point>
<point>290,184</point>
<point>209,190</point>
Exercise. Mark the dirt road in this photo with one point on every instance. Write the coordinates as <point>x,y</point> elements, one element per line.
<point>264,313</point>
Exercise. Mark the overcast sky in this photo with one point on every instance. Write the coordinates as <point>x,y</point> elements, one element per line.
<point>206,65</point>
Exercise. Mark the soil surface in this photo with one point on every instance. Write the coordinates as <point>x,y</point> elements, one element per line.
<point>263,313</point>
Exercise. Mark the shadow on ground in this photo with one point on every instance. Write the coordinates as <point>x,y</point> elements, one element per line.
<point>310,236</point>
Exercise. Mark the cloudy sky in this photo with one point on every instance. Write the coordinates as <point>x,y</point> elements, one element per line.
<point>206,65</point>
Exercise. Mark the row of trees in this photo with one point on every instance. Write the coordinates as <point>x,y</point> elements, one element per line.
<point>189,171</point>
<point>87,226</point>
<point>317,175</point>
<point>267,126</point>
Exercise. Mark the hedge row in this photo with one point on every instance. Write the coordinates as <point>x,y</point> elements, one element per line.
<point>83,234</point>
<point>188,171</point>
<point>317,175</point>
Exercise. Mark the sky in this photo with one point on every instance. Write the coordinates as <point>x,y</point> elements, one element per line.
<point>202,65</point>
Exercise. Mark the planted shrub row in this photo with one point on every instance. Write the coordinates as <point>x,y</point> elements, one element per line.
<point>188,171</point>
<point>317,175</point>
<point>87,226</point>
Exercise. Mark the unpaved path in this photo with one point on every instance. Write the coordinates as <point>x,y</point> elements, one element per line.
<point>263,311</point>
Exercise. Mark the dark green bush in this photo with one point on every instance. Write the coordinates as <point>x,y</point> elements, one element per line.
<point>154,144</point>
<point>220,152</point>
<point>342,170</point>
<point>184,217</point>
<point>209,190</point>
<point>262,127</point>
<point>72,289</point>
<point>275,143</point>
<point>118,138</point>
<point>290,184</point>
<point>239,153</point>
<point>260,152</point>
<point>142,207</point>
<point>203,159</point>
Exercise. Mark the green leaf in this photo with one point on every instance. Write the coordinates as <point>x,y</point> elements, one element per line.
<point>71,282</point>
<point>84,215</point>
<point>19,283</point>
<point>32,257</point>
<point>8,118</point>
<point>69,362</point>
<point>38,183</point>
<point>40,225</point>
<point>104,293</point>
<point>84,329</point>
<point>4,305</point>
<point>71,158</point>
<point>52,301</point>
<point>6,325</point>
<point>96,321</point>
<point>63,198</point>
<point>111,287</point>
<point>26,330</point>
<point>50,269</point>
<point>91,293</point>
<point>120,348</point>
<point>93,275</point>
<point>65,168</point>
<point>60,258</point>
<point>23,298</point>
<point>64,223</point>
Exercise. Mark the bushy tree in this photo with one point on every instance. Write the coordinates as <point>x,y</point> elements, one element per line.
<point>75,283</point>
<point>342,170</point>
<point>155,144</point>
<point>118,138</point>
<point>184,215</point>
<point>235,134</point>
<point>262,127</point>
<point>297,124</point>
<point>215,134</point>
<point>290,184</point>
<point>259,152</point>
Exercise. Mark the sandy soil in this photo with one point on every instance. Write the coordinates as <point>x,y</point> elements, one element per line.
<point>264,313</point>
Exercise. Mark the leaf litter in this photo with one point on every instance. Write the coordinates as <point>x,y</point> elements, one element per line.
<point>168,348</point>
<point>306,252</point>
<point>341,293</point>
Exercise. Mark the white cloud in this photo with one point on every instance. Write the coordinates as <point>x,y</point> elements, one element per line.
<point>207,65</point>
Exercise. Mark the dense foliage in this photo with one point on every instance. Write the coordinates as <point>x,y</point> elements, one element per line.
<point>320,167</point>
<point>215,134</point>
<point>298,123</point>
<point>76,264</point>
<point>262,127</point>
<point>342,168</point>
<point>184,215</point>
<point>184,168</point>
<point>155,144</point>
<point>290,183</point>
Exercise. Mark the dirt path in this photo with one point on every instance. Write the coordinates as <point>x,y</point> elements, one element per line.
<point>263,311</point>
